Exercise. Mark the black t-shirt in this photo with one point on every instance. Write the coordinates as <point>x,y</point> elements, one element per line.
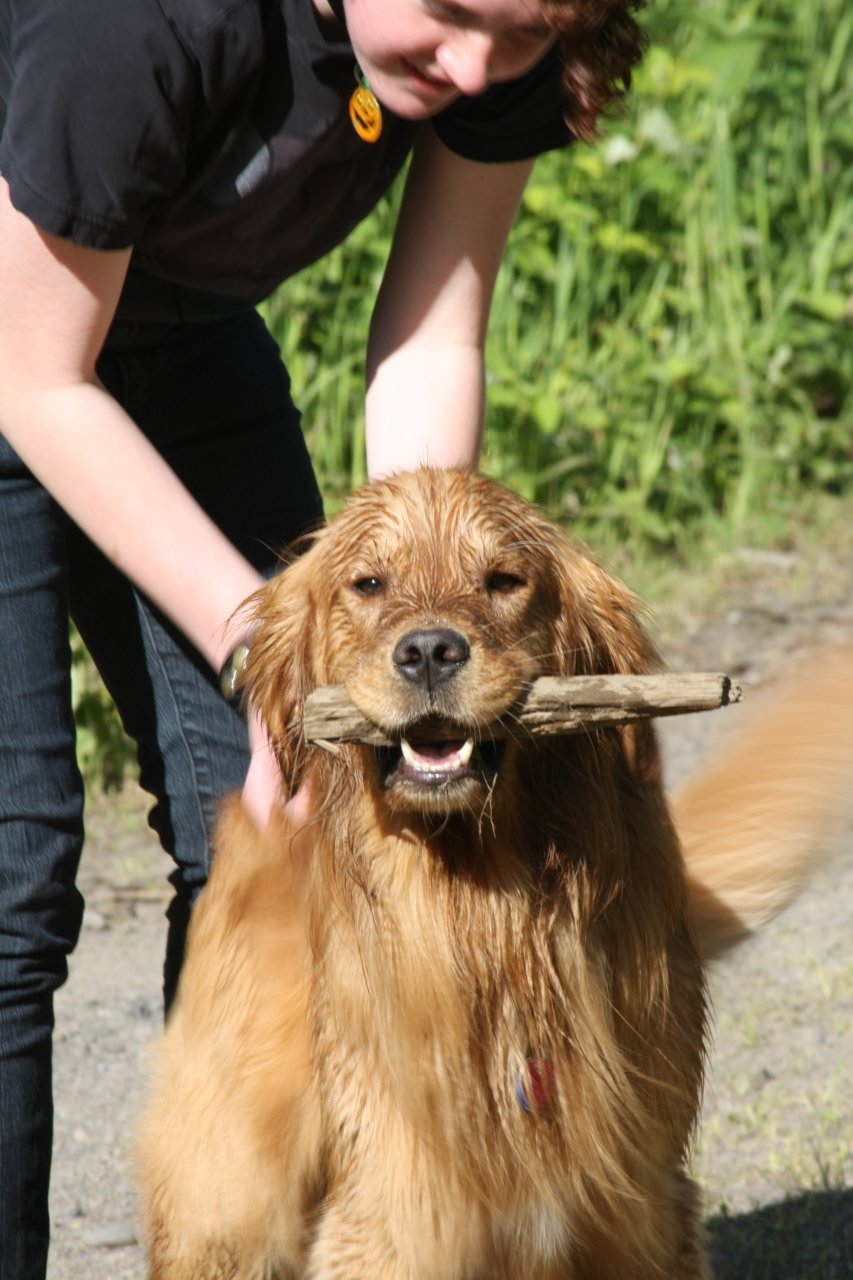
<point>214,136</point>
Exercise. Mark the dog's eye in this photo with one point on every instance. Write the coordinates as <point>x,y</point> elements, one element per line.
<point>368,586</point>
<point>503,583</point>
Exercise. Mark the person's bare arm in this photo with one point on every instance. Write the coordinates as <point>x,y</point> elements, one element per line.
<point>58,301</point>
<point>425,372</point>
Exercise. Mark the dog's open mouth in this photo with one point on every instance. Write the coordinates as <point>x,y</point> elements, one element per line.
<point>427,764</point>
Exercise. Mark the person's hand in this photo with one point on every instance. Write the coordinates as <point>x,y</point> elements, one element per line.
<point>263,795</point>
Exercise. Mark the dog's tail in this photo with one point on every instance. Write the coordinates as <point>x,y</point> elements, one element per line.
<point>757,820</point>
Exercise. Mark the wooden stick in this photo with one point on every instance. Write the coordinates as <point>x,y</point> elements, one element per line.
<point>551,705</point>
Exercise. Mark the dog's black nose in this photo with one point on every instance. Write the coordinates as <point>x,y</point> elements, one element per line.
<point>430,656</point>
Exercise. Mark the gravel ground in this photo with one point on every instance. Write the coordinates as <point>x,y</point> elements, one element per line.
<point>776,1151</point>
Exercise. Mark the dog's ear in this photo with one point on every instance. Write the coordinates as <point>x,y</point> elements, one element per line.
<point>287,658</point>
<point>598,628</point>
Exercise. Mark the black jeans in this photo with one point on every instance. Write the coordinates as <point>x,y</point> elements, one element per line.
<point>215,399</point>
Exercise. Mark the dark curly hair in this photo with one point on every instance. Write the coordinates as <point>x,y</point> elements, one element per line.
<point>601,42</point>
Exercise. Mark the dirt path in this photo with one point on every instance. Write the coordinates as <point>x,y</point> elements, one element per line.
<point>776,1153</point>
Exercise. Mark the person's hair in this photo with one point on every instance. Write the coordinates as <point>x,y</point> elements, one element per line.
<point>600,42</point>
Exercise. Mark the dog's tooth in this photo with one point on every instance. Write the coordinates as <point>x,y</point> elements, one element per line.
<point>417,761</point>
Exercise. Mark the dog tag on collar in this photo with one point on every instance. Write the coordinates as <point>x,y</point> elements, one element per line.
<point>535,1084</point>
<point>365,111</point>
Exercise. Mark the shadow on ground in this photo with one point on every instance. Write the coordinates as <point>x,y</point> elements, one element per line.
<point>806,1238</point>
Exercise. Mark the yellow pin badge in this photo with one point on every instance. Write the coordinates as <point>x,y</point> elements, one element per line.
<point>365,111</point>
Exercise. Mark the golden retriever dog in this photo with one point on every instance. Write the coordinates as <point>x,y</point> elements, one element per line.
<point>454,1027</point>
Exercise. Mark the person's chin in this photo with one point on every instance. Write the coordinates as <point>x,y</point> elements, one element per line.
<point>412,96</point>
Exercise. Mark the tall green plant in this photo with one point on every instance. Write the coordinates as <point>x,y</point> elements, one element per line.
<point>679,295</point>
<point>104,753</point>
